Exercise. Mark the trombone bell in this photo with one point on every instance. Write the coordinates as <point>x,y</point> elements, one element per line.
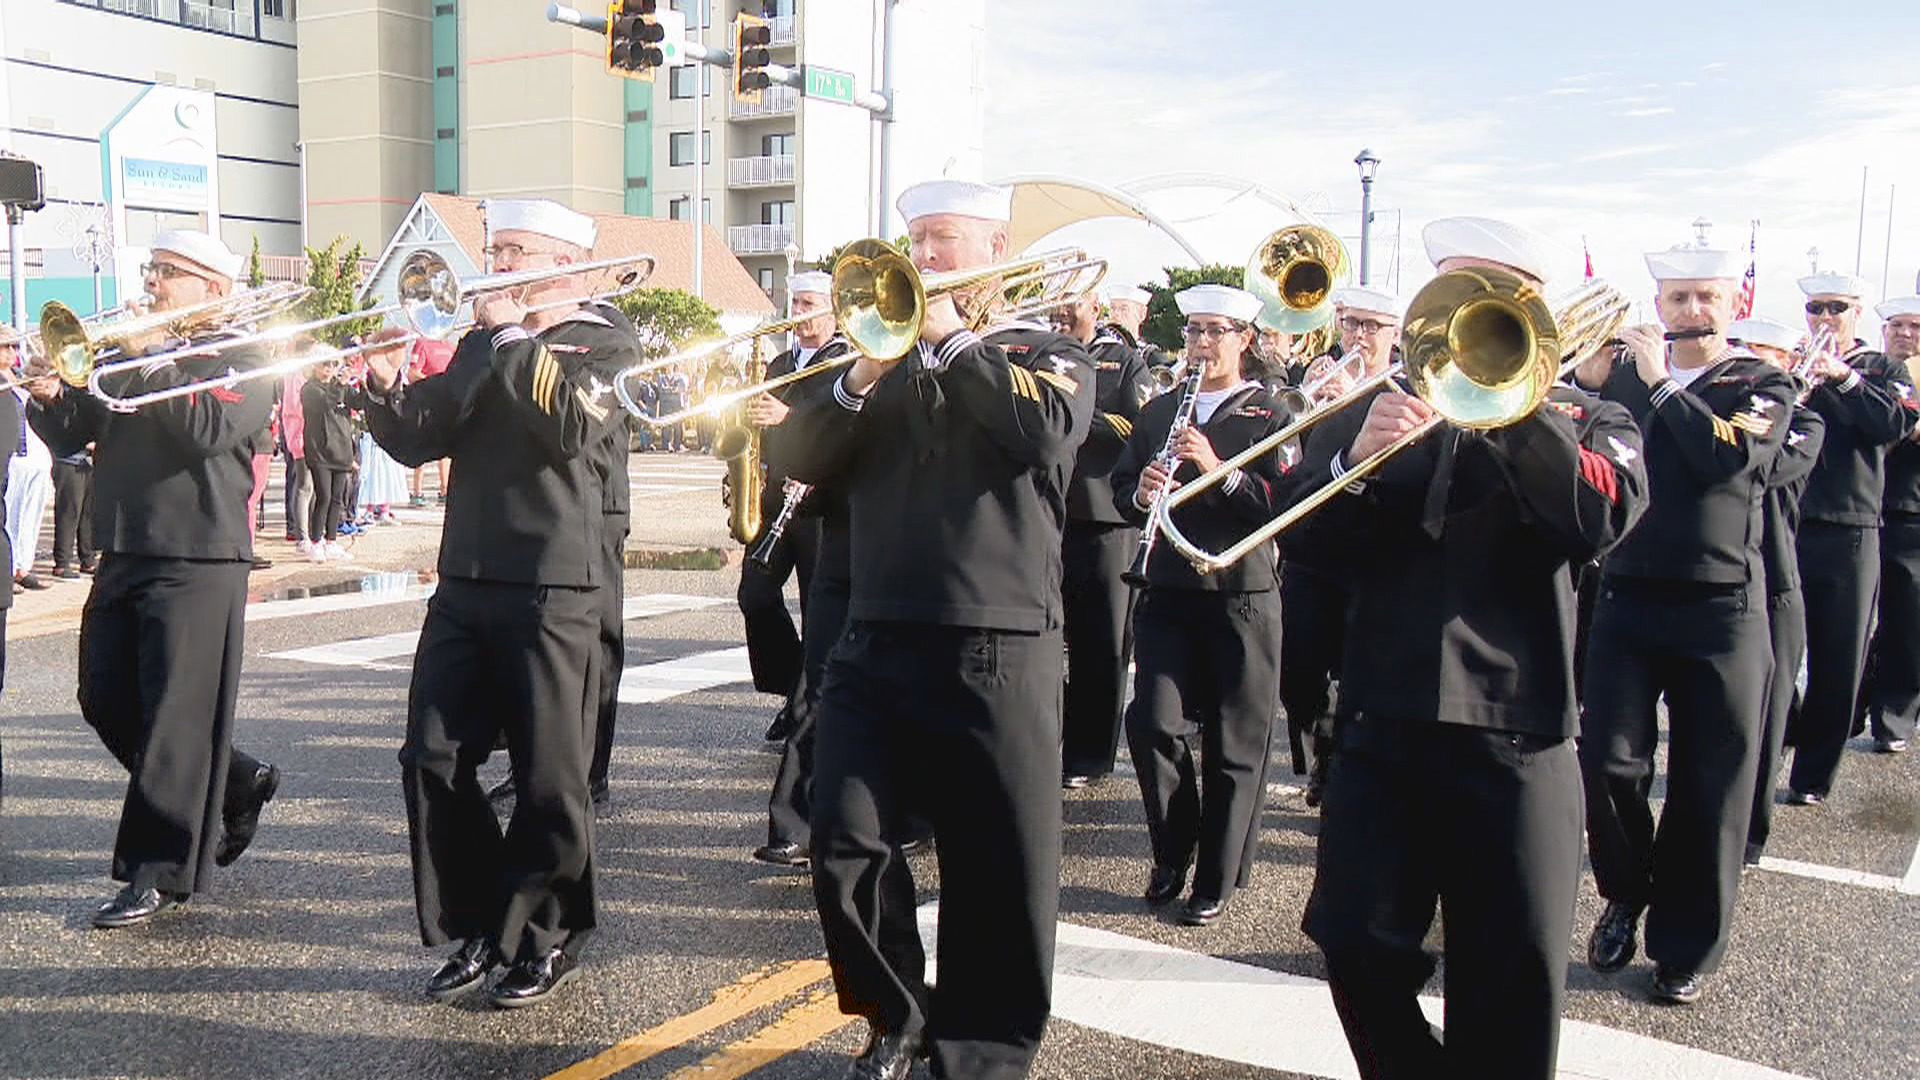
<point>429,295</point>
<point>1481,347</point>
<point>878,299</point>
<point>65,344</point>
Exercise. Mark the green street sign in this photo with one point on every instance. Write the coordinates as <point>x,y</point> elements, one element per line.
<point>829,85</point>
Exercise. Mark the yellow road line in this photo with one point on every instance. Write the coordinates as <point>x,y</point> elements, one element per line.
<point>730,1003</point>
<point>798,1028</point>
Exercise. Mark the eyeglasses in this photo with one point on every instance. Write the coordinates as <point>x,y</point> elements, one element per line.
<point>1829,307</point>
<point>164,271</point>
<point>1208,333</point>
<point>513,252</point>
<point>1363,326</point>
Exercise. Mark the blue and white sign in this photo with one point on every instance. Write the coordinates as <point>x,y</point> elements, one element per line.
<point>172,185</point>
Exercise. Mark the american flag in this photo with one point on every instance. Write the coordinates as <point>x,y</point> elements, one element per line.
<point>1747,284</point>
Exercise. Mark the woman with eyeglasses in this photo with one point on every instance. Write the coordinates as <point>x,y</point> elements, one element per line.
<point>1206,648</point>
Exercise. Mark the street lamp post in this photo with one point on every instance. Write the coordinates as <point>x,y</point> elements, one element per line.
<point>792,253</point>
<point>1367,164</point>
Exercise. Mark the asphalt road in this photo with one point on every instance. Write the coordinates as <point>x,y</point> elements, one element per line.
<point>304,961</point>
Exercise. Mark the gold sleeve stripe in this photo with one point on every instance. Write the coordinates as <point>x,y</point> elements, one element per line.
<point>1752,423</point>
<point>1120,424</point>
<point>1023,383</point>
<point>589,406</point>
<point>1059,382</point>
<point>546,380</point>
<point>1724,432</point>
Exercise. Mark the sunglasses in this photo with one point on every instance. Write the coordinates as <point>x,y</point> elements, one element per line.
<point>1828,307</point>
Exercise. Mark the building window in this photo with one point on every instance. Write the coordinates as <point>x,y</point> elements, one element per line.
<point>680,148</point>
<point>680,83</point>
<point>766,280</point>
<point>696,19</point>
<point>777,213</point>
<point>232,17</point>
<point>776,145</point>
<point>276,9</point>
<point>681,209</point>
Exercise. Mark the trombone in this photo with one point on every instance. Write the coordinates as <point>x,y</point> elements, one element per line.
<point>74,346</point>
<point>879,303</point>
<point>1482,349</point>
<point>430,298</point>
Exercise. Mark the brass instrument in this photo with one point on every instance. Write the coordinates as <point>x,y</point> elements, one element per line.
<point>429,301</point>
<point>1482,349</point>
<point>1298,400</point>
<point>1164,378</point>
<point>1294,272</point>
<point>738,444</point>
<point>75,346</point>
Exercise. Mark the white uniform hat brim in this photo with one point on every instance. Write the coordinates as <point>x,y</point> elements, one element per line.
<point>1491,240</point>
<point>813,281</point>
<point>1834,285</point>
<point>543,217</point>
<point>1130,294</point>
<point>1898,306</point>
<point>963,198</point>
<point>1223,300</point>
<point>201,250</point>
<point>1371,301</point>
<point>1695,264</point>
<point>1778,335</point>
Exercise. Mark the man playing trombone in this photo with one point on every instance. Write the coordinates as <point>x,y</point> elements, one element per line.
<point>943,695</point>
<point>511,640</point>
<point>1455,780</point>
<point>161,638</point>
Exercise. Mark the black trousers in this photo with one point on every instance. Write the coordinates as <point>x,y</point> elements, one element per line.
<point>1787,629</point>
<point>1839,575</point>
<point>297,500</point>
<point>1487,824</point>
<point>519,659</point>
<point>1893,691</point>
<point>161,641</point>
<point>977,748</point>
<point>773,644</point>
<point>790,807</point>
<point>1096,603</point>
<point>613,651</point>
<point>72,515</point>
<point>1709,653</point>
<point>329,501</point>
<point>1313,620</point>
<point>1205,681</point>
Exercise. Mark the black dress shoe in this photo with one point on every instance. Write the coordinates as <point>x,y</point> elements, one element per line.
<point>1612,944</point>
<point>1201,910</point>
<point>917,845</point>
<point>529,982</point>
<point>781,727</point>
<point>1075,781</point>
<point>791,855</point>
<point>242,821</point>
<point>887,1057</point>
<point>131,906</point>
<point>1886,745</point>
<point>464,970</point>
<point>1675,987</point>
<point>1804,798</point>
<point>1165,883</point>
<point>65,573</point>
<point>501,791</point>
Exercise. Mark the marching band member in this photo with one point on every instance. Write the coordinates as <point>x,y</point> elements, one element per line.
<point>1127,317</point>
<point>819,524</point>
<point>955,462</point>
<point>1098,543</point>
<point>1786,613</point>
<point>162,636</point>
<point>1456,779</point>
<point>1893,697</point>
<point>512,638</point>
<point>1682,613</point>
<point>1839,542</point>
<point>1207,671</point>
<point>1313,600</point>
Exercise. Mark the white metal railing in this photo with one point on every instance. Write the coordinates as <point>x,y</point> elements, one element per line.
<point>759,239</point>
<point>760,171</point>
<point>149,8</point>
<point>295,268</point>
<point>784,30</point>
<point>228,17</point>
<point>774,101</point>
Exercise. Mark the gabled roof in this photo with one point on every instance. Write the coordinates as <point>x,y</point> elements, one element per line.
<point>729,286</point>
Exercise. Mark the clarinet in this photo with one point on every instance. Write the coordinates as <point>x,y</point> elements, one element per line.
<point>1136,574</point>
<point>795,493</point>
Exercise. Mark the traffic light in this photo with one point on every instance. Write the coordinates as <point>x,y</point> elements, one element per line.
<point>751,37</point>
<point>634,34</point>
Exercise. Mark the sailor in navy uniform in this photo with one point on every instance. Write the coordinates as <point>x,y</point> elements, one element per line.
<point>1127,319</point>
<point>1892,696</point>
<point>1682,614</point>
<point>943,695</point>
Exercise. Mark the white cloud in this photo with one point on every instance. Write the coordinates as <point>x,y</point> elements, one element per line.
<point>1647,110</point>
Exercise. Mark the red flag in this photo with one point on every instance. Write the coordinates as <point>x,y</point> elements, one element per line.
<point>1744,309</point>
<point>1589,255</point>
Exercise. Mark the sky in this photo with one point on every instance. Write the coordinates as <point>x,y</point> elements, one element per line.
<point>1620,123</point>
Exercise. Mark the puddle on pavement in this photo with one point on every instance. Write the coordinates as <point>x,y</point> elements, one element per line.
<point>388,581</point>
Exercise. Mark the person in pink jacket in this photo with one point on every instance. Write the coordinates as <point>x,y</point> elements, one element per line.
<point>293,448</point>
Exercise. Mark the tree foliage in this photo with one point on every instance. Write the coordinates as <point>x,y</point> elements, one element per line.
<point>668,318</point>
<point>1164,321</point>
<point>333,272</point>
<point>256,276</point>
<point>829,260</point>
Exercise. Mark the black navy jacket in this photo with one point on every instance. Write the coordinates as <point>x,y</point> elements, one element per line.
<point>1229,511</point>
<point>1122,387</point>
<point>1903,458</point>
<point>1710,448</point>
<point>1863,417</point>
<point>531,436</point>
<point>170,479</point>
<point>776,442</point>
<point>1785,485</point>
<point>1463,607</point>
<point>955,467</point>
<point>10,439</point>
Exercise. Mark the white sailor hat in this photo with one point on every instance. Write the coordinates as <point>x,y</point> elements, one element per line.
<point>1371,301</point>
<point>1759,331</point>
<point>1898,306</point>
<point>1834,284</point>
<point>1494,241</point>
<point>1222,300</point>
<point>813,281</point>
<point>1688,263</point>
<point>544,217</point>
<point>1129,293</point>
<point>201,250</point>
<point>964,198</point>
